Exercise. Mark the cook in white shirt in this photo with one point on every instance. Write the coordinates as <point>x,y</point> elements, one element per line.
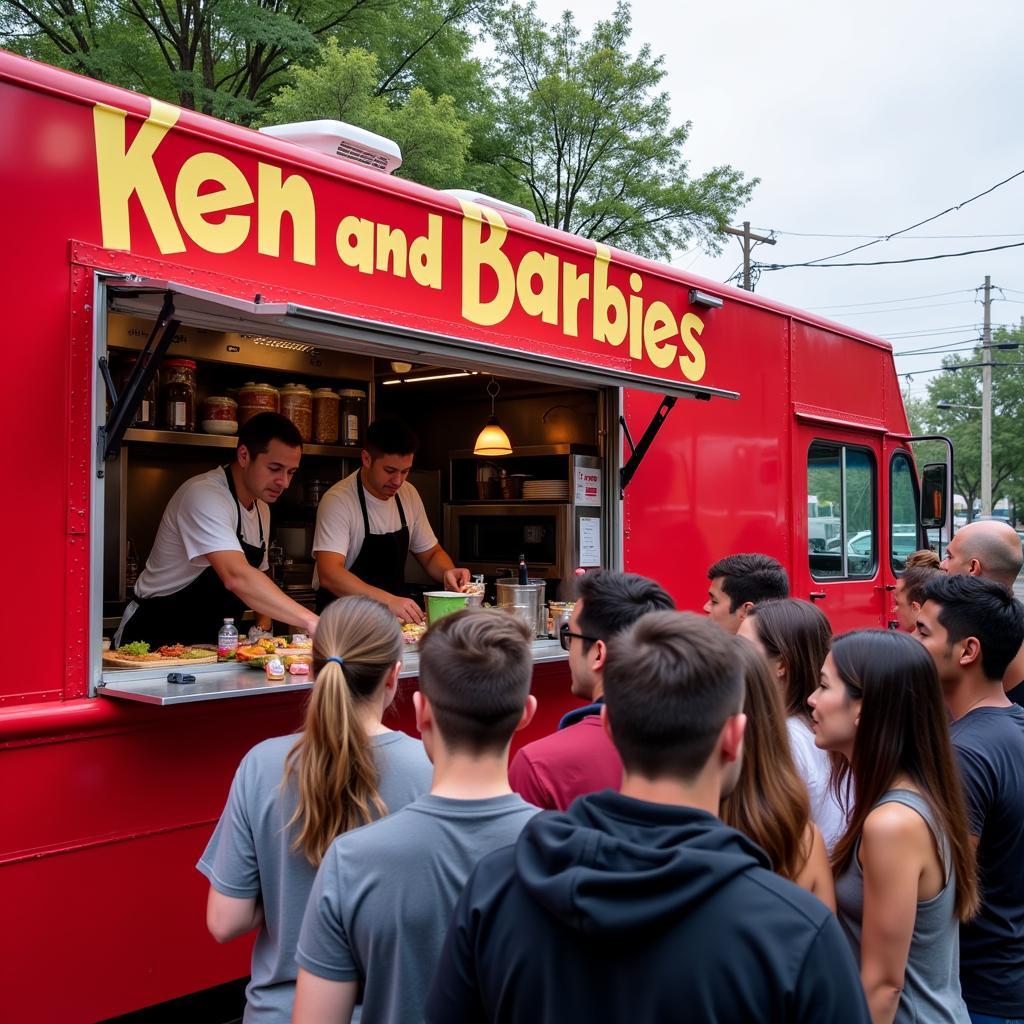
<point>367,524</point>
<point>209,557</point>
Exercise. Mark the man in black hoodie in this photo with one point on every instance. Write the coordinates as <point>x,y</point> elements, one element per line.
<point>642,905</point>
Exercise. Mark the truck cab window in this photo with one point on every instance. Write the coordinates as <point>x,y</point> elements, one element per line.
<point>903,511</point>
<point>841,536</point>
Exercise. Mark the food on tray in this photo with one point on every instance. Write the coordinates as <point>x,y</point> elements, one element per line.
<point>181,651</point>
<point>288,656</point>
<point>411,632</point>
<point>298,668</point>
<point>246,652</point>
<point>275,669</point>
<point>139,651</point>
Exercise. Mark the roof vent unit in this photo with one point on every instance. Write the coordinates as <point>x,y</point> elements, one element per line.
<point>495,204</point>
<point>336,138</point>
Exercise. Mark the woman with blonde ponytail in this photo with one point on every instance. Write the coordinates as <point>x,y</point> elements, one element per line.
<point>292,796</point>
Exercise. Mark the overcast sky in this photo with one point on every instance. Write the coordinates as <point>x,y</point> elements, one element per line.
<point>860,119</point>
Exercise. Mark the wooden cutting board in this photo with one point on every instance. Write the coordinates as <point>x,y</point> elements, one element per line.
<point>111,660</point>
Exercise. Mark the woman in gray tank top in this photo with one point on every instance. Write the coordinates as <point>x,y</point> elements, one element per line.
<point>905,872</point>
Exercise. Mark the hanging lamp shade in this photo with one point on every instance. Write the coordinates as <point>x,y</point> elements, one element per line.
<point>492,440</point>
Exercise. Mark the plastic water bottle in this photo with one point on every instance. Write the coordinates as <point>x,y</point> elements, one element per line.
<point>227,641</point>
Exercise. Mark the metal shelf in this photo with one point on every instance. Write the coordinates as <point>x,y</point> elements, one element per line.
<point>179,438</point>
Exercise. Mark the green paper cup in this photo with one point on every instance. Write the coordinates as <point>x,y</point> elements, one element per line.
<point>443,602</point>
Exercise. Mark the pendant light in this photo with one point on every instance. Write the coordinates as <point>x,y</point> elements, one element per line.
<point>492,440</point>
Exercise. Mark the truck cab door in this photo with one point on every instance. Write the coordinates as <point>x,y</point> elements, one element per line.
<point>839,546</point>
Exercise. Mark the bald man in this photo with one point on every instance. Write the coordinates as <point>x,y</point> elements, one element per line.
<point>991,549</point>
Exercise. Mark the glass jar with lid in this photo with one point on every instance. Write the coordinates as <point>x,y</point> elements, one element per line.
<point>178,394</point>
<point>325,416</point>
<point>145,411</point>
<point>255,398</point>
<point>297,405</point>
<point>220,415</point>
<point>352,416</point>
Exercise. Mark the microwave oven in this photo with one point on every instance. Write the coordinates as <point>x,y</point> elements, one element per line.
<point>488,540</point>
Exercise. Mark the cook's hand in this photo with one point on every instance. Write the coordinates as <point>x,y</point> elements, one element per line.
<point>456,579</point>
<point>309,623</point>
<point>406,610</point>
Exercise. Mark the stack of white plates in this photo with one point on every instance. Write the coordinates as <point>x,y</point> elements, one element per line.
<point>546,490</point>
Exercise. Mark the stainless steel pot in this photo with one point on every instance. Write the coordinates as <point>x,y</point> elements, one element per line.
<point>524,600</point>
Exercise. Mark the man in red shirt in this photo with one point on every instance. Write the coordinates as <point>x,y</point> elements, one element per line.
<point>579,758</point>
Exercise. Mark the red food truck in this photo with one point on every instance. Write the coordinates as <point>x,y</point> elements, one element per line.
<point>164,265</point>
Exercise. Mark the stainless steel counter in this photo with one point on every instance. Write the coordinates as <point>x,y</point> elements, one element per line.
<point>223,681</point>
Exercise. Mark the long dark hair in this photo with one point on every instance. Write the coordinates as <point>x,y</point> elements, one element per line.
<point>903,729</point>
<point>333,759</point>
<point>798,634</point>
<point>769,803</point>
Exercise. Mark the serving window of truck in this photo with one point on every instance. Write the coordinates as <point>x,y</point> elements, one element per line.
<point>216,359</point>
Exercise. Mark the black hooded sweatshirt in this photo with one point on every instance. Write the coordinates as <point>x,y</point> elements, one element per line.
<point>624,910</point>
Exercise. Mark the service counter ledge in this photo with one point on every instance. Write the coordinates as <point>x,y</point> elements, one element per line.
<point>222,681</point>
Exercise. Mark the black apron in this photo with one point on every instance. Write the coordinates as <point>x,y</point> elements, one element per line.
<point>194,614</point>
<point>381,559</point>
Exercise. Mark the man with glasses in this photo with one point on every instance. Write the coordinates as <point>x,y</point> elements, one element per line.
<point>580,758</point>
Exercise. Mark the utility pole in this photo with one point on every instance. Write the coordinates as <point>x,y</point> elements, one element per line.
<point>986,403</point>
<point>748,236</point>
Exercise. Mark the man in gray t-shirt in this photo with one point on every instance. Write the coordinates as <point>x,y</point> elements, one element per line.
<point>380,906</point>
<point>249,856</point>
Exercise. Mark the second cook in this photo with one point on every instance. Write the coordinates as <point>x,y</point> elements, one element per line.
<point>367,524</point>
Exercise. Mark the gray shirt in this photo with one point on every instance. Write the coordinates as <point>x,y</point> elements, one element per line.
<point>384,894</point>
<point>931,986</point>
<point>250,855</point>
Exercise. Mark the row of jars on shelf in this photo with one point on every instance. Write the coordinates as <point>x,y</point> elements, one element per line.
<point>322,415</point>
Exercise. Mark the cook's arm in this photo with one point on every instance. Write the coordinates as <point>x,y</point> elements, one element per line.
<point>259,592</point>
<point>331,571</point>
<point>437,564</point>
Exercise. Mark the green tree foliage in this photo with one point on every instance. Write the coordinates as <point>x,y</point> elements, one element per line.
<point>962,387</point>
<point>343,85</point>
<point>588,140</point>
<point>229,57</point>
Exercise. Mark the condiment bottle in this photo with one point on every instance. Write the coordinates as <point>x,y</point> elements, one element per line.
<point>178,395</point>
<point>352,414</point>
<point>227,641</point>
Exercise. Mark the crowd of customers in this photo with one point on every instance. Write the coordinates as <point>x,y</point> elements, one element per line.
<point>747,819</point>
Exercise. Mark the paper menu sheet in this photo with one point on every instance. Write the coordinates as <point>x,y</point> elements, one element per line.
<point>590,542</point>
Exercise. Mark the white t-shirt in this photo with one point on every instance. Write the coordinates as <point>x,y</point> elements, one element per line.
<point>200,518</point>
<point>815,769</point>
<point>339,520</point>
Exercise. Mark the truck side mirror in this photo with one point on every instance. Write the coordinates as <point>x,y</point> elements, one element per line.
<point>934,486</point>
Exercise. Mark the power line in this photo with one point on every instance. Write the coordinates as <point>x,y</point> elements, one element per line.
<point>905,298</point>
<point>882,238</point>
<point>927,332</point>
<point>903,309</point>
<point>951,346</point>
<point>927,220</point>
<point>885,263</point>
<point>966,345</point>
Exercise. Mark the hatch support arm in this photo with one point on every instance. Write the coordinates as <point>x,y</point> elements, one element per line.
<point>640,449</point>
<point>123,406</point>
